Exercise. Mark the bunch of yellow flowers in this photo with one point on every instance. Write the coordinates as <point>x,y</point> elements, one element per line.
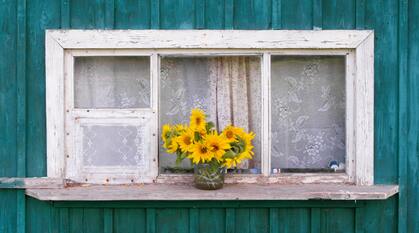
<point>201,143</point>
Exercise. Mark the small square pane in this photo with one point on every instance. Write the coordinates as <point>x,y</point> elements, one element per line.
<point>227,88</point>
<point>308,112</point>
<point>112,82</point>
<point>114,145</point>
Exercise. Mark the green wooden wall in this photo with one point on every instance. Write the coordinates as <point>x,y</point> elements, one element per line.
<point>22,115</point>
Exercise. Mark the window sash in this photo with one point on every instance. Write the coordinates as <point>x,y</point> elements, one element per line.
<point>357,46</point>
<point>155,73</point>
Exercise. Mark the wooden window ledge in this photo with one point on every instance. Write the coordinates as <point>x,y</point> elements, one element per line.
<point>171,192</point>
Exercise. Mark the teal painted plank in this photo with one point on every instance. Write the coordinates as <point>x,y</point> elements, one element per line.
<point>177,14</point>
<point>8,89</point>
<point>21,88</point>
<point>315,220</point>
<point>21,113</point>
<point>360,14</point>
<point>172,220</point>
<point>155,14</point>
<point>317,14</point>
<point>63,224</point>
<point>65,14</point>
<point>204,204</point>
<point>40,217</point>
<point>381,216</point>
<point>43,14</point>
<point>194,220</point>
<point>273,220</point>
<point>339,14</point>
<point>297,14</point>
<point>76,219</point>
<point>385,88</point>
<point>87,14</point>
<point>403,133</point>
<point>230,220</point>
<point>200,14</point>
<point>359,219</point>
<point>8,210</point>
<point>276,14</point>
<point>21,211</point>
<point>259,220</point>
<point>242,218</point>
<point>214,14</point>
<point>109,14</point>
<point>93,220</point>
<point>252,14</point>
<point>294,220</point>
<point>151,220</point>
<point>129,221</point>
<point>211,220</point>
<point>337,220</point>
<point>108,220</point>
<point>228,14</point>
<point>412,185</point>
<point>132,14</point>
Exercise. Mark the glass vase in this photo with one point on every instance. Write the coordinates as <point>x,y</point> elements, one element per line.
<point>208,177</point>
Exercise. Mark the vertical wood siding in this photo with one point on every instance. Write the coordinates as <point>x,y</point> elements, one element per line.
<point>22,113</point>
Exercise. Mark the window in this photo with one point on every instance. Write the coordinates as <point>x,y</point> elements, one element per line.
<point>308,96</point>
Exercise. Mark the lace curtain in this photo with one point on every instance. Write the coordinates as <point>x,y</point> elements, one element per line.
<point>308,111</point>
<point>227,88</point>
<point>109,145</point>
<point>112,82</point>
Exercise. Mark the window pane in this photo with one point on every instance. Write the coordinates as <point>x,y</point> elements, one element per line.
<point>308,112</point>
<point>226,88</point>
<point>114,145</point>
<point>112,82</point>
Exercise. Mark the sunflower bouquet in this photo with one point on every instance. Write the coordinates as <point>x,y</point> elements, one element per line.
<point>209,150</point>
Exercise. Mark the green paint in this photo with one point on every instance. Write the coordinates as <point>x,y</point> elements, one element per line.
<point>22,115</point>
<point>403,116</point>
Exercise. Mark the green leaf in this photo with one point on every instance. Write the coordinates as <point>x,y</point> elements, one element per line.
<point>229,154</point>
<point>209,126</point>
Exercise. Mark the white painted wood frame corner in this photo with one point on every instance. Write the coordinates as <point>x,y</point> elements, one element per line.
<point>356,45</point>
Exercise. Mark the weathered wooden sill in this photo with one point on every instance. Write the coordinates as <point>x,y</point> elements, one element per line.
<point>172,192</point>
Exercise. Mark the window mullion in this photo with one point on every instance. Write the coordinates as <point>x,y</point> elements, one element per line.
<point>155,77</point>
<point>266,111</point>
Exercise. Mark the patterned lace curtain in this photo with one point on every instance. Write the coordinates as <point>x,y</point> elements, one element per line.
<point>308,111</point>
<point>113,83</point>
<point>227,88</point>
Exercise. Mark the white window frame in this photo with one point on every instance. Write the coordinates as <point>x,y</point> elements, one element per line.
<point>356,45</point>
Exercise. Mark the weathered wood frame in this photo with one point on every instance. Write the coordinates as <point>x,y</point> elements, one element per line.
<point>356,45</point>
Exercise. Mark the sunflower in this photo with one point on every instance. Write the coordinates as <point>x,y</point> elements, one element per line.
<point>173,146</point>
<point>165,133</point>
<point>200,153</point>
<point>232,162</point>
<point>217,145</point>
<point>230,132</point>
<point>247,138</point>
<point>197,119</point>
<point>185,140</point>
<point>180,128</point>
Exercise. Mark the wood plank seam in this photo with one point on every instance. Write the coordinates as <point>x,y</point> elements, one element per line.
<point>403,35</point>
<point>21,112</point>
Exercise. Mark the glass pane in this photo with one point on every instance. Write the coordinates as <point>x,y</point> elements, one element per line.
<point>227,88</point>
<point>112,82</point>
<point>308,112</point>
<point>107,145</point>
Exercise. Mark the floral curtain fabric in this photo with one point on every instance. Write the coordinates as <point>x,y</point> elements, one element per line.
<point>308,111</point>
<point>227,88</point>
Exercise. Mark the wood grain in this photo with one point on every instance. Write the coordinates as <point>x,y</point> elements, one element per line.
<point>229,192</point>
